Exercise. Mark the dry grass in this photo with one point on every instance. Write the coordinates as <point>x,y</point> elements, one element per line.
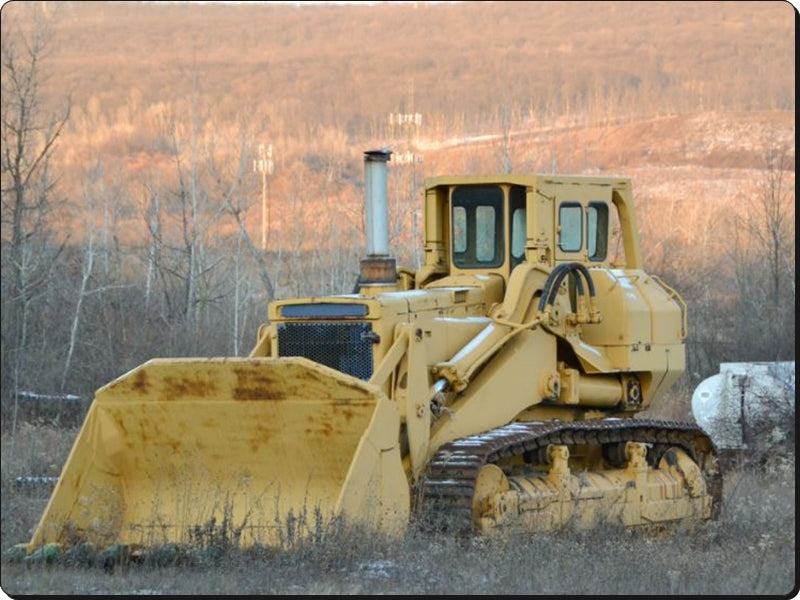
<point>750,550</point>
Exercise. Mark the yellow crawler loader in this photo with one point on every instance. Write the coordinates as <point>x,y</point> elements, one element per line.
<point>493,389</point>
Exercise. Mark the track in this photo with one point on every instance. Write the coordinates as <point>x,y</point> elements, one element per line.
<point>444,495</point>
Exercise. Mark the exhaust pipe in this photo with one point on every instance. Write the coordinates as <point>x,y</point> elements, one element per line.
<point>378,268</point>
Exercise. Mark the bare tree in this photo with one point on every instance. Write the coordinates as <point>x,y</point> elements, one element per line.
<point>99,275</point>
<point>188,268</point>
<point>505,146</point>
<point>764,259</point>
<point>772,225</point>
<point>230,187</point>
<point>87,269</point>
<point>29,133</point>
<point>152,216</point>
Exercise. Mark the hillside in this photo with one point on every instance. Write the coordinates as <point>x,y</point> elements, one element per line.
<point>305,77</point>
<point>155,172</point>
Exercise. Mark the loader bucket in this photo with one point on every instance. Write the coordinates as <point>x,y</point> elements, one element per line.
<point>228,450</point>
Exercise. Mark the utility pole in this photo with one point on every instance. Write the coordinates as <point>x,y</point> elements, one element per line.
<point>265,166</point>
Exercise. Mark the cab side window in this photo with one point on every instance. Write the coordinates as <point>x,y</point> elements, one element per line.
<point>570,227</point>
<point>584,230</point>
<point>597,231</point>
<point>518,225</point>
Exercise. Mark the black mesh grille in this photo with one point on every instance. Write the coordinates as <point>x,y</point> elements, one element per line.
<point>346,347</point>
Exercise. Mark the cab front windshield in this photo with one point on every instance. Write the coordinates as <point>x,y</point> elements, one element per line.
<point>478,220</point>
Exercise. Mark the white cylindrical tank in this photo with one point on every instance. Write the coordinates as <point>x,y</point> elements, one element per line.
<point>747,405</point>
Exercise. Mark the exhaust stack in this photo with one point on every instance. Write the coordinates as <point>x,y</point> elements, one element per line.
<point>378,268</point>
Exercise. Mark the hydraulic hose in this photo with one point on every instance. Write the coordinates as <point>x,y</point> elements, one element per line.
<point>557,276</point>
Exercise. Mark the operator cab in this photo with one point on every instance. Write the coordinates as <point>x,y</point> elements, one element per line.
<point>487,225</point>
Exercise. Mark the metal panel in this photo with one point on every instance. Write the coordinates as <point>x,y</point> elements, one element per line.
<point>346,347</point>
<point>324,310</point>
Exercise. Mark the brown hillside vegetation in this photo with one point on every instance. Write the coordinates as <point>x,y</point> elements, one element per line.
<point>156,87</point>
<point>322,80</point>
<point>342,64</point>
<point>170,102</point>
<point>298,74</point>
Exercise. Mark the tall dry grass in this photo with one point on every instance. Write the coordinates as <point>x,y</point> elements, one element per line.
<point>749,550</point>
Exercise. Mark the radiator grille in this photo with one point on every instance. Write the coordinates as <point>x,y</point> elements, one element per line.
<point>346,347</point>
